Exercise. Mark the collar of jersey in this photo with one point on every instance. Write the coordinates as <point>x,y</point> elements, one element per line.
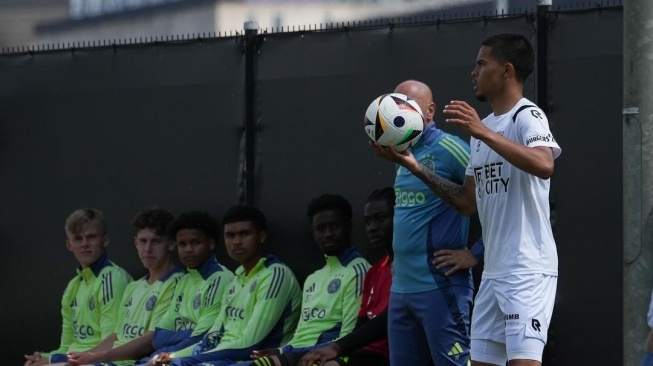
<point>342,259</point>
<point>94,270</point>
<point>206,269</point>
<point>264,262</point>
<point>430,134</point>
<point>166,276</point>
<point>385,261</point>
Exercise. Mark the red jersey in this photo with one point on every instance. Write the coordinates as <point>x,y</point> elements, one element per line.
<point>376,294</point>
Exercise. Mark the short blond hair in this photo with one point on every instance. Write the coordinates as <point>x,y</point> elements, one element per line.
<point>83,217</point>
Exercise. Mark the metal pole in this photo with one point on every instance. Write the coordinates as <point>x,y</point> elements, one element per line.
<point>251,33</point>
<point>542,99</point>
<point>638,180</point>
<point>542,80</point>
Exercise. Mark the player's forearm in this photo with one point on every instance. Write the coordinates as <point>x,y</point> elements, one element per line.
<point>450,192</point>
<point>537,161</point>
<point>132,350</point>
<point>373,330</point>
<point>106,344</point>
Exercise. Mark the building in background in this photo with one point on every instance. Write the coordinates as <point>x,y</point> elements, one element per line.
<point>111,20</point>
<point>66,22</point>
<point>18,19</point>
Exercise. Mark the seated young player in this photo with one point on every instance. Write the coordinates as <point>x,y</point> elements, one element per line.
<point>197,299</point>
<point>368,343</point>
<point>332,294</point>
<point>261,307</point>
<point>146,300</point>
<point>90,303</point>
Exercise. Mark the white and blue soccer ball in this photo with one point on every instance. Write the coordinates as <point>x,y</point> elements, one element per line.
<point>394,120</point>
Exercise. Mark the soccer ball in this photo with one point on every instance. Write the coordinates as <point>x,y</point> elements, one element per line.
<point>394,120</point>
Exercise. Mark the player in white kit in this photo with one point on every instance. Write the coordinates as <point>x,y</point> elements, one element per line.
<point>507,181</point>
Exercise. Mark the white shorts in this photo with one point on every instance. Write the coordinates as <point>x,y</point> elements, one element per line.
<point>511,318</point>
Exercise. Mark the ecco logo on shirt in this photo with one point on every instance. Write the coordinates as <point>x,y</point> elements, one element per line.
<point>82,331</point>
<point>235,313</point>
<point>408,198</point>
<point>182,324</point>
<point>314,313</point>
<point>132,331</point>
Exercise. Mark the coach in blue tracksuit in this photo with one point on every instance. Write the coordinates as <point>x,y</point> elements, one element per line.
<point>429,310</point>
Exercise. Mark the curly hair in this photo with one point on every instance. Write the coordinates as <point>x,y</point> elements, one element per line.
<point>329,202</point>
<point>199,220</point>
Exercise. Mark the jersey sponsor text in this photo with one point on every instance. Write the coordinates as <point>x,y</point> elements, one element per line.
<point>492,175</point>
<point>82,331</point>
<point>314,313</point>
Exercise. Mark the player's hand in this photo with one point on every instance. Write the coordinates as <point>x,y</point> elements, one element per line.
<point>162,358</point>
<point>457,259</point>
<point>461,113</point>
<point>81,358</point>
<point>320,356</point>
<point>404,158</point>
<point>265,353</point>
<point>33,358</point>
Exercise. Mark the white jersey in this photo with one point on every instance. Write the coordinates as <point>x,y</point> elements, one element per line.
<point>513,206</point>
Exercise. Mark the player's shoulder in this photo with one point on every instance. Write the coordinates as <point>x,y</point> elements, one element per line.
<point>222,274</point>
<point>526,111</point>
<point>173,277</point>
<point>453,145</point>
<point>357,267</point>
<point>351,258</point>
<point>451,139</point>
<point>272,261</point>
<point>275,269</point>
<point>140,283</point>
<point>116,272</point>
<point>170,279</point>
<point>184,279</point>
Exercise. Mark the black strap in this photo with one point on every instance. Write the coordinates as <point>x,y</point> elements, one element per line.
<point>514,116</point>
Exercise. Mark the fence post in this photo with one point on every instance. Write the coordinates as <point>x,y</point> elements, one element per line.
<point>251,33</point>
<point>637,177</point>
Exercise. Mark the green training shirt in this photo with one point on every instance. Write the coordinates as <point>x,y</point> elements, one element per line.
<point>331,300</point>
<point>142,306</point>
<point>90,305</point>
<point>260,310</point>
<point>196,304</point>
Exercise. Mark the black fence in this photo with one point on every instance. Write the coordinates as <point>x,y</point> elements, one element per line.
<point>120,127</point>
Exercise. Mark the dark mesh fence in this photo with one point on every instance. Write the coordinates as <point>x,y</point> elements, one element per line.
<point>124,127</point>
